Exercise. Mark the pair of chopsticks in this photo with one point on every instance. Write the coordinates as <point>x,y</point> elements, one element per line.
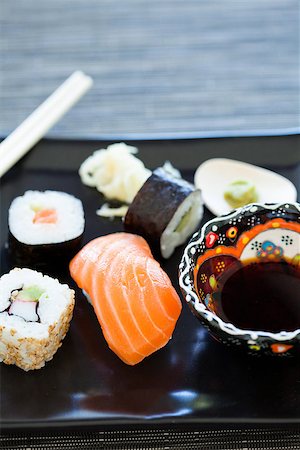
<point>26,135</point>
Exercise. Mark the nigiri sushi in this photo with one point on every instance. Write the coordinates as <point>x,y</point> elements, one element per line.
<point>133,298</point>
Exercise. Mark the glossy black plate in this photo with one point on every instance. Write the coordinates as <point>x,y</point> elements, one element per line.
<point>193,379</point>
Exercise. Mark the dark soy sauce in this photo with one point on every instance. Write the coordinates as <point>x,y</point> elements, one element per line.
<point>261,296</point>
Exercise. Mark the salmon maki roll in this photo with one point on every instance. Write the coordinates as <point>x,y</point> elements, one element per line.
<point>133,298</point>
<point>45,230</point>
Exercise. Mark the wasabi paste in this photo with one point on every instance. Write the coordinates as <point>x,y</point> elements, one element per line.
<point>240,193</point>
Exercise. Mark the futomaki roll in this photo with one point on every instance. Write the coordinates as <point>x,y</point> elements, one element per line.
<point>45,228</point>
<point>165,211</point>
<point>35,312</point>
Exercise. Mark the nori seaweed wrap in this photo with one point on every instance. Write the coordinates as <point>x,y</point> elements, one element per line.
<point>165,211</point>
<point>43,256</point>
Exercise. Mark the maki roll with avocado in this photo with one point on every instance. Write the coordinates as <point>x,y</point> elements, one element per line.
<point>165,211</point>
<point>35,312</point>
<point>45,229</point>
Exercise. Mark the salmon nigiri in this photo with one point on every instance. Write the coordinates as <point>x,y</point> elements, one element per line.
<point>133,298</point>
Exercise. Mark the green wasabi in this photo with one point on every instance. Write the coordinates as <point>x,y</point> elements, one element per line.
<point>240,193</point>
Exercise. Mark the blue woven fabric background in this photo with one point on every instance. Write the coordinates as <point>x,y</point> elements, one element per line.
<point>158,66</point>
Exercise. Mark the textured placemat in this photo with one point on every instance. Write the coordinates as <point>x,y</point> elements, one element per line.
<point>159,439</point>
<point>173,65</point>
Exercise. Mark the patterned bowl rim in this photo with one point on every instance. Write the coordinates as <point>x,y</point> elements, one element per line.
<point>186,284</point>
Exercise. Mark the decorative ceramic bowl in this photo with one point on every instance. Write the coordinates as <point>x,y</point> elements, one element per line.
<point>256,233</point>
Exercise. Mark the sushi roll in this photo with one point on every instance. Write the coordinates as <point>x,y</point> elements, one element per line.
<point>165,211</point>
<point>45,228</point>
<point>35,314</point>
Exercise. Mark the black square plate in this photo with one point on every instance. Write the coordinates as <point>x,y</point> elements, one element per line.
<point>193,380</point>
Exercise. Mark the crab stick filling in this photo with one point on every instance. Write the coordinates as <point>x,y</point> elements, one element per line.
<point>24,303</point>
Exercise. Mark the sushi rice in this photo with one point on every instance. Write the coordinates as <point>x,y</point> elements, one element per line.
<point>30,343</point>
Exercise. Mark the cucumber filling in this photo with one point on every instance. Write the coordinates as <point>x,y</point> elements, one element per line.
<point>184,221</point>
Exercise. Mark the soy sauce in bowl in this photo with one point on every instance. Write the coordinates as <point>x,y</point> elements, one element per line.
<point>261,296</point>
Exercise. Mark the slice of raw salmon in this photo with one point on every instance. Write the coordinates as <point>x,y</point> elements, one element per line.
<point>45,216</point>
<point>133,298</point>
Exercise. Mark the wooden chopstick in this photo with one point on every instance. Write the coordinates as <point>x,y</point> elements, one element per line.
<point>29,132</point>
